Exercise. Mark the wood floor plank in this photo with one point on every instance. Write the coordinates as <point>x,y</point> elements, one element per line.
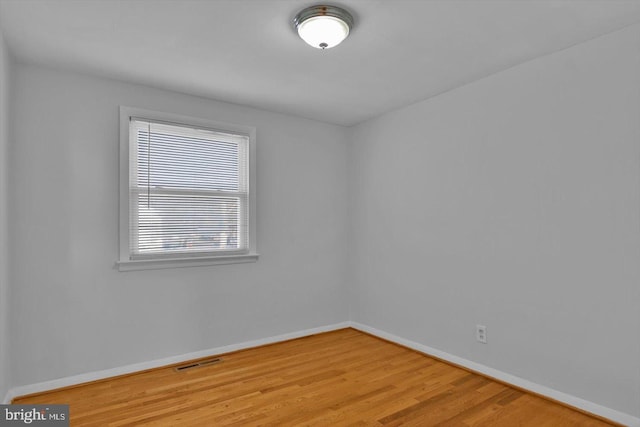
<point>338,378</point>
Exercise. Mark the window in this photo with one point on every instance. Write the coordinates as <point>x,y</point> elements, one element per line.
<point>187,192</point>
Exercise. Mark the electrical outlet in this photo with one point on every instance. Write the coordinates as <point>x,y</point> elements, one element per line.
<point>481,334</point>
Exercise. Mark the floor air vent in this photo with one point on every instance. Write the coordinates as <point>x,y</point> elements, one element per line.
<point>198,364</point>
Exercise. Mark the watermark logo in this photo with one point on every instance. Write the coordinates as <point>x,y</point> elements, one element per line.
<point>34,415</point>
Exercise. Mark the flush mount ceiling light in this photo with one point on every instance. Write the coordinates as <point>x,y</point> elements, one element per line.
<point>323,27</point>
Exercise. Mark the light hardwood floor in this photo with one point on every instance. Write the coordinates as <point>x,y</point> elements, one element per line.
<point>337,378</point>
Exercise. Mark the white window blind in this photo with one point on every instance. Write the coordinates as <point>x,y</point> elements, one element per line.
<point>188,191</point>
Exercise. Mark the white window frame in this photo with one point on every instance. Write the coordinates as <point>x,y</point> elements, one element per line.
<point>125,263</point>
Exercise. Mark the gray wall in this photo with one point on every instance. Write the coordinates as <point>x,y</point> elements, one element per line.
<point>72,312</point>
<point>512,202</point>
<point>4,241</point>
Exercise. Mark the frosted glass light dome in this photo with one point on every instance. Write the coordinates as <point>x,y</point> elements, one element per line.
<point>323,27</point>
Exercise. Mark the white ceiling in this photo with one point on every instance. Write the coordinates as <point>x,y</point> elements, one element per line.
<point>247,52</point>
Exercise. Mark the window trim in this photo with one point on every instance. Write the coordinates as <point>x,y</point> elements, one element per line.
<point>125,263</point>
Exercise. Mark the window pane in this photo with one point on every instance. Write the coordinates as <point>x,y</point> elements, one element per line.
<point>169,160</point>
<point>187,223</point>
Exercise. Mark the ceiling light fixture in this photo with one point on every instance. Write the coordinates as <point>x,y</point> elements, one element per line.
<point>323,27</point>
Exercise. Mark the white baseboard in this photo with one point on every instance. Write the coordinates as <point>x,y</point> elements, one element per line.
<point>576,402</point>
<point>98,375</point>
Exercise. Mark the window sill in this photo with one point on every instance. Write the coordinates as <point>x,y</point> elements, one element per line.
<point>184,262</point>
